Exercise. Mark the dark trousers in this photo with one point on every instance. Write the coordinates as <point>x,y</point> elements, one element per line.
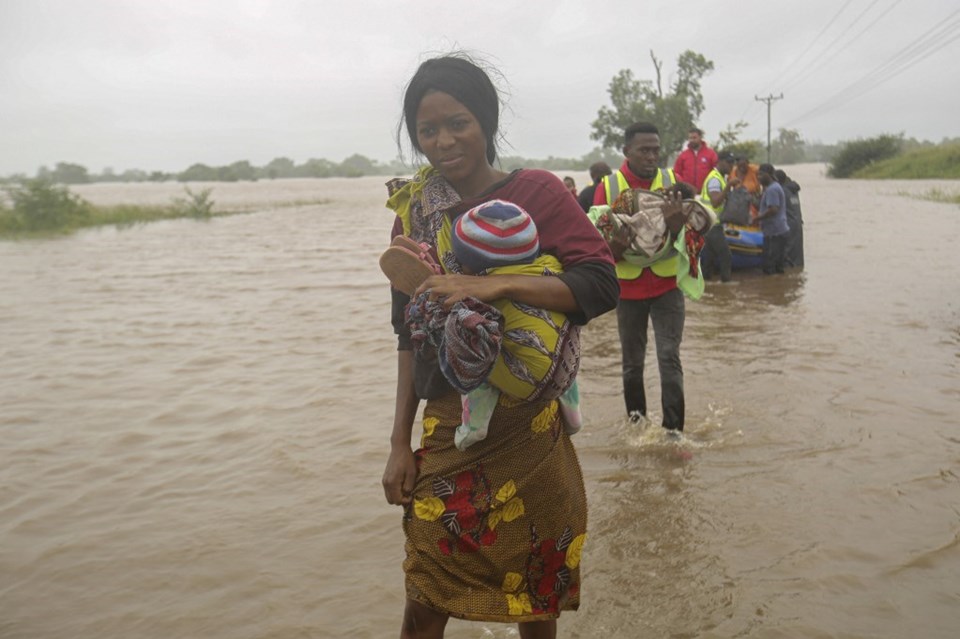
<point>716,254</point>
<point>667,314</point>
<point>774,253</point>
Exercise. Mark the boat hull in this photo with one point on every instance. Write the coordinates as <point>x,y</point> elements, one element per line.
<point>746,246</point>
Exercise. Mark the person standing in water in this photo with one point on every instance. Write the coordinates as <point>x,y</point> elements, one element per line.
<point>648,294</point>
<point>715,192</point>
<point>791,189</point>
<point>494,532</point>
<point>772,219</point>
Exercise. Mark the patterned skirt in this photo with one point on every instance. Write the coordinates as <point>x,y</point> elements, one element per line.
<point>495,532</point>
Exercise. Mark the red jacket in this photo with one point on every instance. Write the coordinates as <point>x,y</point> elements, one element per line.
<point>693,168</point>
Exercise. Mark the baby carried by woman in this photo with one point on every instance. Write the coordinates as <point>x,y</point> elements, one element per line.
<point>502,348</point>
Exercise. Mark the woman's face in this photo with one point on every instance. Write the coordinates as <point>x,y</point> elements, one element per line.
<point>451,138</point>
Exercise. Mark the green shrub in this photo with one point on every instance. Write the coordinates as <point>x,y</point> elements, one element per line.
<point>41,205</point>
<point>858,154</point>
<point>940,162</point>
<point>195,204</point>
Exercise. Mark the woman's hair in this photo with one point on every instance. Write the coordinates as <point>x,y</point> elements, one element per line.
<point>461,78</point>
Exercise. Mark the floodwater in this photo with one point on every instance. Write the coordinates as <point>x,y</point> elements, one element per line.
<point>195,417</point>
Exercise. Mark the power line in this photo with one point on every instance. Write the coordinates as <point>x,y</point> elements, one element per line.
<point>801,77</point>
<point>743,115</point>
<point>815,39</point>
<point>903,60</point>
<point>826,27</point>
<point>869,26</point>
<point>844,97</point>
<point>918,50</point>
<point>812,65</point>
<point>927,44</point>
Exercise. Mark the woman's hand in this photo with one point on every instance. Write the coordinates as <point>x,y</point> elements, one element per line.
<point>542,292</point>
<point>452,288</point>
<point>399,476</point>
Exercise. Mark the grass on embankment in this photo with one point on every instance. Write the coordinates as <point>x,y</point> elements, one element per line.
<point>934,163</point>
<point>41,209</point>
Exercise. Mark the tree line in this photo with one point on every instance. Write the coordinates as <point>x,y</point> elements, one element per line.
<point>358,166</point>
<point>242,171</point>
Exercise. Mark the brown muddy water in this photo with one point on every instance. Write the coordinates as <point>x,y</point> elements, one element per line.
<point>195,416</point>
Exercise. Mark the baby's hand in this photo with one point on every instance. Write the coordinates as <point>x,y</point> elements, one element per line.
<point>673,214</point>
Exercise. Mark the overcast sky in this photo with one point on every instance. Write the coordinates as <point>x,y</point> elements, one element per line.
<point>159,85</point>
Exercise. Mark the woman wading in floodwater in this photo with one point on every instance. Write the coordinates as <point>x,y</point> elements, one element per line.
<point>494,532</point>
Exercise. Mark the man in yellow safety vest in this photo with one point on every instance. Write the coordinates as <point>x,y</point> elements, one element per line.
<point>716,189</point>
<point>648,294</point>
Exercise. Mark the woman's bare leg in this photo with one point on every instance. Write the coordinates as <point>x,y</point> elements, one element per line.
<point>421,622</point>
<point>538,629</point>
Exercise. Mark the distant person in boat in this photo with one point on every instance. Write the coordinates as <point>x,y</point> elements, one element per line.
<point>716,189</point>
<point>694,163</point>
<point>571,186</point>
<point>749,189</point>
<point>772,218</point>
<point>748,174</point>
<point>649,294</point>
<point>598,171</point>
<point>794,250</point>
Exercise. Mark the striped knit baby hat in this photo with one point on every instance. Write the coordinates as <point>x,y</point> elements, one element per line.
<point>496,233</point>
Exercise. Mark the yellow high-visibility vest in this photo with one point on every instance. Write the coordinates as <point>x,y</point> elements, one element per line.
<point>613,185</point>
<point>705,195</point>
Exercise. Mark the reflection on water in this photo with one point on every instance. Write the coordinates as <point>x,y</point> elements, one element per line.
<point>753,292</point>
<point>195,419</point>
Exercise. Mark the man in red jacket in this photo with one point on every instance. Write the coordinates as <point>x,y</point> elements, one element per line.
<point>696,161</point>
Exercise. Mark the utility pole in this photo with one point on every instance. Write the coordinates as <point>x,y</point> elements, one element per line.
<point>769,100</point>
